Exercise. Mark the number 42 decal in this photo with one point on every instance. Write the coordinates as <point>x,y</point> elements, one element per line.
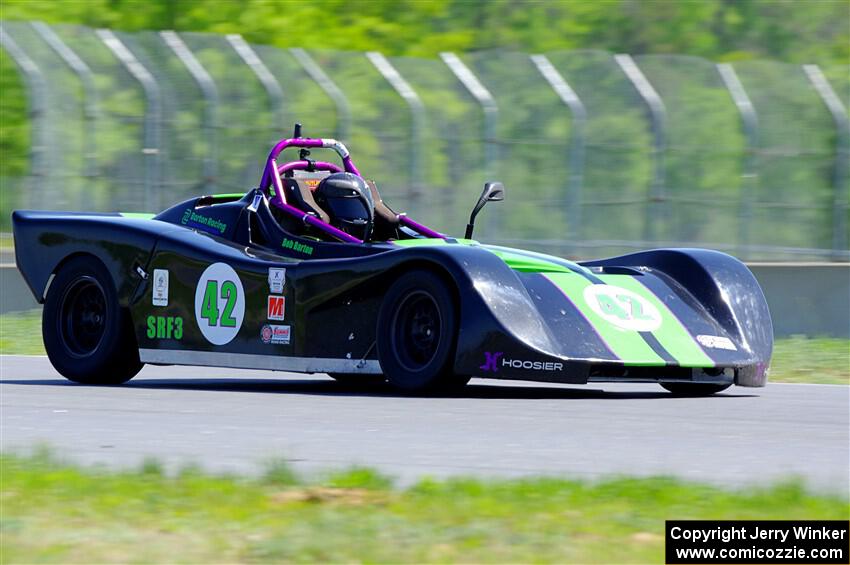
<point>209,308</point>
<point>219,303</point>
<point>622,308</point>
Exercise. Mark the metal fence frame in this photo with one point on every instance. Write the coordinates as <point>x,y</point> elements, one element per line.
<point>749,161</point>
<point>151,152</point>
<point>37,100</point>
<point>842,155</point>
<point>577,141</point>
<point>578,160</point>
<point>658,117</point>
<point>265,76</point>
<point>90,99</point>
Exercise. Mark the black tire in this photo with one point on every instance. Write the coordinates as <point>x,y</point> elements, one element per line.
<point>358,379</point>
<point>89,338</point>
<point>695,389</point>
<point>417,333</point>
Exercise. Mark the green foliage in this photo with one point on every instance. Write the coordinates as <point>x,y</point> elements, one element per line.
<point>56,512</point>
<point>791,31</point>
<point>279,472</point>
<point>804,360</point>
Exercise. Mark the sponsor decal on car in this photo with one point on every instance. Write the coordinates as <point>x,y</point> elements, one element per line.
<point>255,204</point>
<point>275,334</point>
<point>277,280</point>
<point>491,361</point>
<point>622,308</point>
<point>716,342</point>
<point>219,303</point>
<point>276,307</point>
<point>296,246</point>
<point>165,327</point>
<point>192,219</point>
<point>494,360</point>
<point>160,287</point>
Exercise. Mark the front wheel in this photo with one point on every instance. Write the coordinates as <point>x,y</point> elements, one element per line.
<point>694,389</point>
<point>88,337</point>
<point>416,334</point>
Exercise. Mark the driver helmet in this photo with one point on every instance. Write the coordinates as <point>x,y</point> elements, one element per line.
<point>348,201</point>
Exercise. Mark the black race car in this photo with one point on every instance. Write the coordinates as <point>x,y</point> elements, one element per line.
<point>311,272</point>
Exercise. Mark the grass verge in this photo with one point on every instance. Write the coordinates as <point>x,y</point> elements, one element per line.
<point>795,360</point>
<point>60,513</point>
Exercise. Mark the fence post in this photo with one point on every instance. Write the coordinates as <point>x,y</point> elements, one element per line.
<point>417,114</point>
<point>343,124</point>
<point>90,101</point>
<point>491,120</point>
<point>266,78</point>
<point>153,114</point>
<point>37,103</point>
<point>210,94</point>
<point>842,159</point>
<point>577,142</point>
<point>658,117</point>
<point>488,105</point>
<point>749,122</point>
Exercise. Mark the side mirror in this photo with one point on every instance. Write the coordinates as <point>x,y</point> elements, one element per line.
<point>493,192</point>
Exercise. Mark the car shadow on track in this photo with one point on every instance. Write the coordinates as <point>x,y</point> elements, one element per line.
<point>480,390</point>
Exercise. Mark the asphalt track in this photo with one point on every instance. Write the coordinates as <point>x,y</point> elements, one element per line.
<point>231,420</point>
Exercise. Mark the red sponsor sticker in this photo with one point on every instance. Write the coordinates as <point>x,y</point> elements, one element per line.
<point>275,334</point>
<point>266,334</point>
<point>276,307</point>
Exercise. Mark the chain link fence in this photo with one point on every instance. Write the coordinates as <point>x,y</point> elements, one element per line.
<point>600,153</point>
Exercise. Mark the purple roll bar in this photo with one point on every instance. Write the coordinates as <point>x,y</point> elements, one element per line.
<point>424,230</point>
<point>272,172</point>
<point>307,142</point>
<point>302,166</point>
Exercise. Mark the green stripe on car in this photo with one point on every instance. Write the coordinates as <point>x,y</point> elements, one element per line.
<point>671,334</point>
<point>628,345</point>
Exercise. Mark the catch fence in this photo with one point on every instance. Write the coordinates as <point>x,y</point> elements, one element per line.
<point>600,153</point>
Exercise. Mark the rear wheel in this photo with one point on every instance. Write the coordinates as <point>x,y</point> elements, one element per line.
<point>88,336</point>
<point>416,334</point>
<point>694,389</point>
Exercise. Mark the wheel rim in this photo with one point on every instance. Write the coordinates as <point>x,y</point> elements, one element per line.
<point>416,330</point>
<point>82,321</point>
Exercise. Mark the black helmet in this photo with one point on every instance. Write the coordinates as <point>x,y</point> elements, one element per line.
<point>348,201</point>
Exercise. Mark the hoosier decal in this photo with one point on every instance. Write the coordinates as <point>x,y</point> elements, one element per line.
<point>494,360</point>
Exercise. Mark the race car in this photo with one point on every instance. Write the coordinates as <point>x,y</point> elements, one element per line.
<point>312,272</point>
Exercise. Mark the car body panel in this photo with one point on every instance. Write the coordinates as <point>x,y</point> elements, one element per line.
<point>661,315</point>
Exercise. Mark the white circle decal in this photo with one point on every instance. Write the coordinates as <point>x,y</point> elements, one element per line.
<point>622,308</point>
<point>219,303</point>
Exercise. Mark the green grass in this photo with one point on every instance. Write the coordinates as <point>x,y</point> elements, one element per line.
<point>60,513</point>
<point>803,360</point>
<point>795,360</point>
<point>20,333</point>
